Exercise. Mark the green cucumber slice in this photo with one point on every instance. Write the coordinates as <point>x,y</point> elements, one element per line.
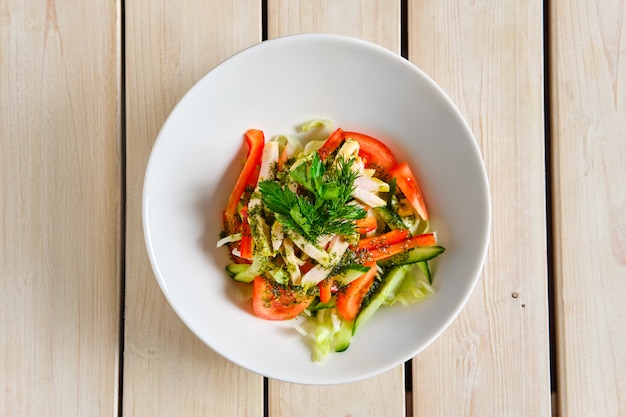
<point>391,282</point>
<point>344,336</point>
<point>423,266</point>
<point>411,256</point>
<point>234,269</point>
<point>391,218</point>
<point>352,272</point>
<point>240,272</point>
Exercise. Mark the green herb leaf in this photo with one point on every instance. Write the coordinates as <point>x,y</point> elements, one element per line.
<point>329,191</point>
<point>299,175</point>
<point>296,215</point>
<point>276,198</point>
<point>325,210</point>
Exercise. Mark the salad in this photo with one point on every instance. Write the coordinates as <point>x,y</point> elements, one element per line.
<point>325,227</point>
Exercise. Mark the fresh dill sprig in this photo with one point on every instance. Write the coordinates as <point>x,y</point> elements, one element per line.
<point>323,209</point>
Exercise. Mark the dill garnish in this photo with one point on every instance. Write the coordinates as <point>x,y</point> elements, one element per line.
<point>322,207</point>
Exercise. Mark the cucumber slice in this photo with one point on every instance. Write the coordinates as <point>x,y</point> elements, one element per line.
<point>234,269</point>
<point>391,218</point>
<point>423,266</point>
<point>240,272</point>
<point>411,256</point>
<point>344,336</point>
<point>352,272</point>
<point>390,285</point>
<point>316,305</point>
<point>358,268</point>
<point>280,275</point>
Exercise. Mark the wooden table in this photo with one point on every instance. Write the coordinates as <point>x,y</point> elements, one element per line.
<point>84,89</point>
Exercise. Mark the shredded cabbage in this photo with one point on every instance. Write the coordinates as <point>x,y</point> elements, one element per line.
<point>413,289</point>
<point>236,237</point>
<point>313,146</point>
<point>312,124</point>
<point>292,143</point>
<point>327,325</point>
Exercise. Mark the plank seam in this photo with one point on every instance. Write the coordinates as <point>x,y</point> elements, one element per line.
<point>549,203</point>
<point>266,396</point>
<point>264,26</point>
<point>408,388</point>
<point>404,28</point>
<point>123,208</point>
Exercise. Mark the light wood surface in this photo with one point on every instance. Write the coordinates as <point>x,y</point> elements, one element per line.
<point>494,360</point>
<point>84,89</point>
<point>167,370</point>
<point>588,101</point>
<point>376,21</point>
<point>60,205</point>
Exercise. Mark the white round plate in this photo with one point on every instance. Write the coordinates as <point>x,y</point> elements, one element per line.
<point>276,86</point>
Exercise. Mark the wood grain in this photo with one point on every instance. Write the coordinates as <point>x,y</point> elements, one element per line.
<point>380,396</point>
<point>167,370</point>
<point>377,21</point>
<point>588,46</point>
<point>494,359</point>
<point>60,211</point>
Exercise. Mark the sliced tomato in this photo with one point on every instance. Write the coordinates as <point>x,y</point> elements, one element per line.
<point>383,240</point>
<point>375,153</point>
<point>349,299</point>
<point>387,251</point>
<point>407,182</point>
<point>332,143</point>
<point>272,301</point>
<point>247,178</point>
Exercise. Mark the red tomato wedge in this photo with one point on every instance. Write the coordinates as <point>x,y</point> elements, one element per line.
<point>350,298</point>
<point>383,240</point>
<point>271,301</point>
<point>407,182</point>
<point>255,139</point>
<point>387,251</point>
<point>374,153</point>
<point>331,144</point>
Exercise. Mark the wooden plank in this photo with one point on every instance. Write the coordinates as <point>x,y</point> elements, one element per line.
<point>588,45</point>
<point>494,359</point>
<point>60,211</point>
<point>376,21</point>
<point>167,370</point>
<point>380,396</point>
